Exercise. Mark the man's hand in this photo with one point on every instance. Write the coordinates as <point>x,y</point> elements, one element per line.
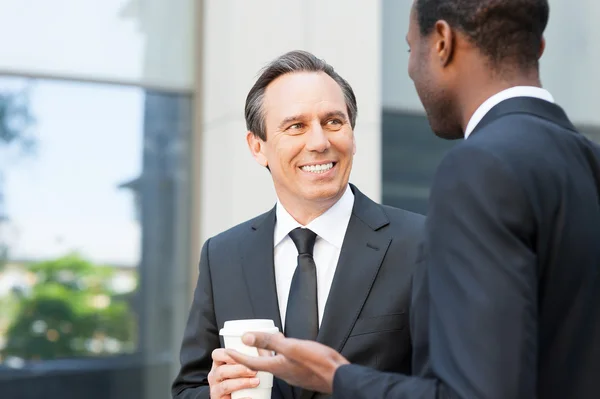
<point>306,364</point>
<point>226,376</point>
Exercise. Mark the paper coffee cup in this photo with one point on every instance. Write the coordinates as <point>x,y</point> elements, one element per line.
<point>232,333</point>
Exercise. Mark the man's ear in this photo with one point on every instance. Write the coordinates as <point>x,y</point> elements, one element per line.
<point>542,47</point>
<point>444,42</point>
<point>256,146</point>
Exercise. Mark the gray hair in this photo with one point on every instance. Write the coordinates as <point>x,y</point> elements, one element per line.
<point>294,61</point>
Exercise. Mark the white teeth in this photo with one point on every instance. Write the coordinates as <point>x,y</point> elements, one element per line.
<point>318,168</point>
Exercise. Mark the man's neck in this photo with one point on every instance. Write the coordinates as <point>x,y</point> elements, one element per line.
<point>304,211</point>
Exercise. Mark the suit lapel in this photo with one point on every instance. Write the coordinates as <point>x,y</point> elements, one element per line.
<point>361,257</point>
<point>259,272</point>
<point>258,268</point>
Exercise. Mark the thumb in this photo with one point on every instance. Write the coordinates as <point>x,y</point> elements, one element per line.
<point>263,340</point>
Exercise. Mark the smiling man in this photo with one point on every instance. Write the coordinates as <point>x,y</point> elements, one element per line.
<point>325,264</point>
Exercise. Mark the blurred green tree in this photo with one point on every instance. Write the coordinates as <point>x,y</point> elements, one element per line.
<point>70,312</point>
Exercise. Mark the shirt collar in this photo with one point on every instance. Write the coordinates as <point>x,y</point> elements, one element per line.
<point>330,226</point>
<point>517,91</point>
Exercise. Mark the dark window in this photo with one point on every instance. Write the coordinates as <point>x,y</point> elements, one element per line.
<point>410,155</point>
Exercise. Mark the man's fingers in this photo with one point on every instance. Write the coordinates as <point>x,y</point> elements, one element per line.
<point>228,386</point>
<point>274,342</point>
<point>230,371</point>
<point>254,363</point>
<point>220,357</point>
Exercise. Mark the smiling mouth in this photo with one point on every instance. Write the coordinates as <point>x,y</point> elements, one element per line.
<point>317,169</point>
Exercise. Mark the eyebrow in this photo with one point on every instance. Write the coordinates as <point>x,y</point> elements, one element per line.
<point>337,114</point>
<point>290,119</point>
<point>297,118</point>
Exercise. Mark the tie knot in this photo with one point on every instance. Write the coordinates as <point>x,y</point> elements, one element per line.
<point>304,239</point>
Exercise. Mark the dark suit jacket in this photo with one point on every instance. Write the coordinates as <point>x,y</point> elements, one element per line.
<point>366,315</point>
<point>509,297</point>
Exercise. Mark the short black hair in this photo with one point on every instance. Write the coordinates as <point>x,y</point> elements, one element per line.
<point>506,31</point>
<point>293,61</point>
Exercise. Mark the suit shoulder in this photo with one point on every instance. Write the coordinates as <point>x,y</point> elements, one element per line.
<point>237,232</point>
<point>399,214</point>
<point>526,145</point>
<point>518,136</point>
<point>493,143</point>
<point>403,220</point>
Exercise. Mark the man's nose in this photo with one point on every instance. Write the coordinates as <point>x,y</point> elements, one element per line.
<point>317,139</point>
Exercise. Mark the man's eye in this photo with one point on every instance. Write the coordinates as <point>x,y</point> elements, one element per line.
<point>335,122</point>
<point>296,126</point>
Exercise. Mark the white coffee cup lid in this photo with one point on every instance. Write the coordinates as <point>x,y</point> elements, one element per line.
<point>240,327</point>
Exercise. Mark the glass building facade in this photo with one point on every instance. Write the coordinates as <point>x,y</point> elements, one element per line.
<point>96,115</point>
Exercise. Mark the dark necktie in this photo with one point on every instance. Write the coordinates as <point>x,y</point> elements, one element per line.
<point>302,314</point>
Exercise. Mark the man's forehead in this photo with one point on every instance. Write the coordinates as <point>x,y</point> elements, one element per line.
<point>302,84</point>
<point>303,91</point>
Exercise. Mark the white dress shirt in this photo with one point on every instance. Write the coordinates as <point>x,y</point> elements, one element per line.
<point>330,228</point>
<point>517,91</point>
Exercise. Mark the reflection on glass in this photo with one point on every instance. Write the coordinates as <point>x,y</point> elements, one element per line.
<point>92,198</point>
<point>71,309</point>
<point>146,42</point>
<point>70,243</point>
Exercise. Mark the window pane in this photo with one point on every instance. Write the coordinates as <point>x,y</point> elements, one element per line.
<point>147,42</point>
<point>93,204</point>
<point>410,155</point>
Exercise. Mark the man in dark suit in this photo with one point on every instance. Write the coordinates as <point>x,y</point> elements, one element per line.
<point>351,289</point>
<point>507,304</point>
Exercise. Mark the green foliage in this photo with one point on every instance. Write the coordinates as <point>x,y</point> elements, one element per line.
<point>70,312</point>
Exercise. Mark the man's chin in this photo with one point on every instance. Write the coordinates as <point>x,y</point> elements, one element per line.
<point>324,192</point>
<point>449,135</point>
<point>447,132</point>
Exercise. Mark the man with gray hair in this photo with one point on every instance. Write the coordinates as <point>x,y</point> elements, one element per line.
<point>326,263</point>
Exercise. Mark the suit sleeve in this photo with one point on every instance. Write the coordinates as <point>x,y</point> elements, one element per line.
<point>200,338</point>
<point>482,276</point>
